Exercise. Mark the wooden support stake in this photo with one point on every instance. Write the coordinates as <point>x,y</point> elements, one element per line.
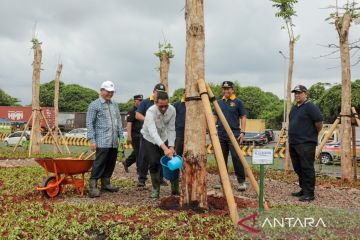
<point>56,103</point>
<point>327,137</point>
<point>51,133</point>
<point>22,134</point>
<point>354,151</point>
<point>236,146</point>
<point>63,139</point>
<point>356,116</point>
<point>218,153</point>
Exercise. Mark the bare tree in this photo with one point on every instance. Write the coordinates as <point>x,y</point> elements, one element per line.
<point>56,104</point>
<point>193,181</point>
<point>286,12</point>
<point>164,54</point>
<point>35,139</point>
<point>342,19</point>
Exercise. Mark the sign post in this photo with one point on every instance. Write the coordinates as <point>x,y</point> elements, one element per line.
<point>262,156</point>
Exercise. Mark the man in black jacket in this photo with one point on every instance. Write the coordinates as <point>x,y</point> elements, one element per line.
<point>134,136</point>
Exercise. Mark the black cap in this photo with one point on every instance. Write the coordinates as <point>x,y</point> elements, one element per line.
<point>227,84</point>
<point>299,88</point>
<point>138,97</point>
<point>160,87</point>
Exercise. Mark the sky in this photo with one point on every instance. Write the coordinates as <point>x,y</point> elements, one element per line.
<point>115,40</point>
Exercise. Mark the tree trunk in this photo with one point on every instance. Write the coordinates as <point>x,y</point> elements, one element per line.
<point>288,102</point>
<point>56,105</point>
<point>36,131</point>
<point>164,70</point>
<point>342,26</point>
<point>193,181</point>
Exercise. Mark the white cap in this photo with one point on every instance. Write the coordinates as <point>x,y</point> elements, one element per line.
<point>108,86</point>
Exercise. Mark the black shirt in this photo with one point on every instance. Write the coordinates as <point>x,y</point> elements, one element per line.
<point>302,121</point>
<point>180,118</point>
<point>136,124</point>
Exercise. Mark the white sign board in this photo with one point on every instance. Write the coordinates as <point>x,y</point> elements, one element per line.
<point>263,156</point>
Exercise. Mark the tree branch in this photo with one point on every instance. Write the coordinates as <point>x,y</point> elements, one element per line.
<point>329,46</point>
<point>329,54</point>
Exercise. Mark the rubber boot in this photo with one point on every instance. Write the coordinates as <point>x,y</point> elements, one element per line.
<point>105,185</point>
<point>94,192</point>
<point>155,181</point>
<point>175,187</point>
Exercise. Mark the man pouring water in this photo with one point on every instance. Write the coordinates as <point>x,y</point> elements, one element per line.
<point>159,139</point>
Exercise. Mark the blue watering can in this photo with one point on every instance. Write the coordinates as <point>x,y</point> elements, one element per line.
<point>171,167</point>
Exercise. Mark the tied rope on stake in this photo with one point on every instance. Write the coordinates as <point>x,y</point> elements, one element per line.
<point>193,98</point>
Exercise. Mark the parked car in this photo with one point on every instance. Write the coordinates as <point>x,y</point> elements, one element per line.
<point>14,138</point>
<point>255,138</point>
<point>270,135</point>
<point>331,152</point>
<point>77,133</point>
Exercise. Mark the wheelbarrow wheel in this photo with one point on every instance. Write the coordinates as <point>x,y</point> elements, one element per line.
<point>52,191</point>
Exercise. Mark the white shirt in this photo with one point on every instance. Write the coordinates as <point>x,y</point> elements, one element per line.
<point>159,127</point>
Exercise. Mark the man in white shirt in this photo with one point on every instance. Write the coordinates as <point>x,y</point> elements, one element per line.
<point>159,139</point>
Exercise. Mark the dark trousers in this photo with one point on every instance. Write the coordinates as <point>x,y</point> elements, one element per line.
<point>303,158</point>
<point>153,153</point>
<point>179,146</point>
<point>226,146</point>
<point>143,164</point>
<point>104,164</point>
<point>134,155</point>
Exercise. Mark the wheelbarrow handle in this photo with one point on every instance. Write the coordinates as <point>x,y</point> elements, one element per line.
<point>92,154</point>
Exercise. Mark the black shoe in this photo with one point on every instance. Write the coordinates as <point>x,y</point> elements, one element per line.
<point>125,167</point>
<point>297,194</point>
<point>307,198</point>
<point>141,184</point>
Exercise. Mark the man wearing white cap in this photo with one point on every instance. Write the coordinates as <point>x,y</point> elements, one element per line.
<point>103,122</point>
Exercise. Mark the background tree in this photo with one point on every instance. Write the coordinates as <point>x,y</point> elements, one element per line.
<point>72,97</point>
<point>316,91</point>
<point>330,101</point>
<point>164,54</point>
<point>286,12</point>
<point>342,19</point>
<point>7,100</point>
<point>125,107</point>
<point>77,98</point>
<point>258,104</point>
<point>47,93</point>
<point>177,95</point>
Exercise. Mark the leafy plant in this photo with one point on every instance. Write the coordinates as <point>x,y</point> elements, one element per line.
<point>165,49</point>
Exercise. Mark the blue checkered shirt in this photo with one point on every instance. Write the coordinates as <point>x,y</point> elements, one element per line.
<point>103,122</point>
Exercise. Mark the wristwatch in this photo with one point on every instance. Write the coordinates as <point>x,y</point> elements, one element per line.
<point>243,133</point>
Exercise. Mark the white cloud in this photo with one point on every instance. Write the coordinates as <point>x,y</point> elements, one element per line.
<point>115,40</point>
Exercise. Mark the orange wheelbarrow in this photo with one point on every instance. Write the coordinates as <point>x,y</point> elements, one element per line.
<point>64,173</point>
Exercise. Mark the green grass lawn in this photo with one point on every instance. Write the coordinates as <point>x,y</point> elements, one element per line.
<point>24,214</point>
